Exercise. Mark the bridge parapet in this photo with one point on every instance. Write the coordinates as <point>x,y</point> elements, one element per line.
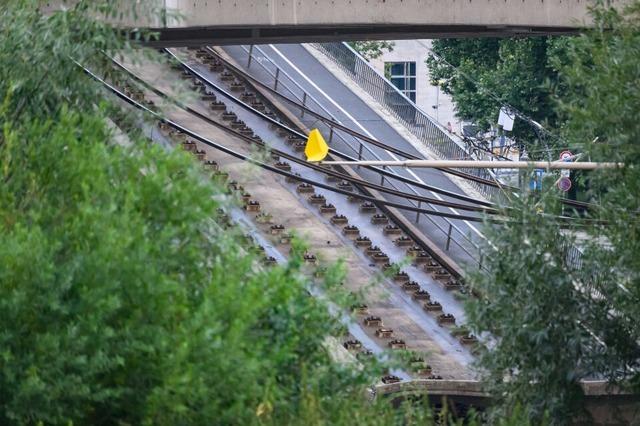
<point>605,404</point>
<point>474,388</point>
<point>189,22</point>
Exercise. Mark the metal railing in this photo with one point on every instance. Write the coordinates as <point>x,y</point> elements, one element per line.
<point>419,123</point>
<point>573,256</point>
<point>285,84</point>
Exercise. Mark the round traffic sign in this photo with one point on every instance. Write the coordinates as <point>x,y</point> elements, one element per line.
<point>564,184</point>
<point>566,156</point>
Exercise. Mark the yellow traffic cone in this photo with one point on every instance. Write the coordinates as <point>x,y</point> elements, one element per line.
<point>316,149</point>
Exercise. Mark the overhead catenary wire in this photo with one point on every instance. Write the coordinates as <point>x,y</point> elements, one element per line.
<point>571,203</point>
<point>332,123</point>
<point>349,178</point>
<point>324,170</point>
<point>274,169</point>
<point>296,177</point>
<point>316,167</point>
<point>294,132</point>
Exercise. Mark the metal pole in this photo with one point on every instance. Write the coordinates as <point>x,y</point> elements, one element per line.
<point>437,103</point>
<point>418,213</point>
<point>479,164</point>
<point>330,134</point>
<point>448,238</point>
<point>275,86</point>
<point>382,176</point>
<point>304,101</point>
<point>250,56</point>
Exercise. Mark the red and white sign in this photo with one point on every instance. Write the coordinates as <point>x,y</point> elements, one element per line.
<point>567,157</point>
<point>564,184</point>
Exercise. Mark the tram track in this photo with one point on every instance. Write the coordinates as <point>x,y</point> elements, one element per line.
<point>196,136</point>
<point>294,159</point>
<point>460,245</point>
<point>444,229</point>
<point>332,123</point>
<point>332,151</point>
<point>401,295</point>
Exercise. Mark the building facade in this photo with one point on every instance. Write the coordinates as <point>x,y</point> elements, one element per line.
<point>405,66</point>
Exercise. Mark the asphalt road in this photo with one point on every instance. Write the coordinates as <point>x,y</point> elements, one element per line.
<point>386,298</point>
<point>300,72</point>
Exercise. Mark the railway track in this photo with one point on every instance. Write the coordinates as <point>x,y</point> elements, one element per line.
<point>329,171</point>
<point>409,287</point>
<point>333,124</point>
<point>407,290</point>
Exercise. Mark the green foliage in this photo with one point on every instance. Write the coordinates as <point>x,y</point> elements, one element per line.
<point>38,74</point>
<point>121,299</point>
<point>371,49</point>
<point>553,322</point>
<point>482,75</point>
<point>604,104</point>
<point>531,310</point>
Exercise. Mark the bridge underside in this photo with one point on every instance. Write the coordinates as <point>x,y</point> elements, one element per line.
<point>227,35</point>
<point>201,22</point>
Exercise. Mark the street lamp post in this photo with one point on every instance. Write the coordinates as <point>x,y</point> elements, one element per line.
<point>437,105</point>
<point>438,102</point>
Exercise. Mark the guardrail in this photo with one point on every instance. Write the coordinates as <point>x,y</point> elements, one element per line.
<point>419,123</point>
<point>285,84</point>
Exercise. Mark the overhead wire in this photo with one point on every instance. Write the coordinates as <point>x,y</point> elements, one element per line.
<point>330,122</point>
<point>333,151</point>
<point>316,167</point>
<point>271,168</point>
<point>228,151</point>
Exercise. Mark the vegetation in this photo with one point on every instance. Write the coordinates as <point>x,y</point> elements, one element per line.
<point>482,75</point>
<point>121,299</point>
<point>560,322</point>
<point>371,49</point>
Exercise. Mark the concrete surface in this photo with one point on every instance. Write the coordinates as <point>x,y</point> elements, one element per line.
<point>409,322</point>
<point>427,95</point>
<point>338,99</point>
<point>200,22</point>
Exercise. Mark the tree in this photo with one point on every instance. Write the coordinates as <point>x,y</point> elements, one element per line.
<point>561,320</point>
<point>371,49</point>
<point>482,75</point>
<point>122,300</point>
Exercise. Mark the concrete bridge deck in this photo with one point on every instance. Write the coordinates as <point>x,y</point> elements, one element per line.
<point>604,404</point>
<point>200,22</point>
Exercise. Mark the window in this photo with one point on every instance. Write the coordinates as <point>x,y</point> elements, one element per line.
<point>403,76</point>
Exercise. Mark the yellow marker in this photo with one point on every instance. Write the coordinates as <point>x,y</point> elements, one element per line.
<point>316,149</point>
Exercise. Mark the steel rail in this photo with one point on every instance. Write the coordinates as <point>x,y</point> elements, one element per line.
<point>332,150</point>
<point>428,130</point>
<point>314,166</point>
<point>332,123</point>
<point>467,245</point>
<point>219,147</point>
<point>268,167</point>
<point>243,105</point>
